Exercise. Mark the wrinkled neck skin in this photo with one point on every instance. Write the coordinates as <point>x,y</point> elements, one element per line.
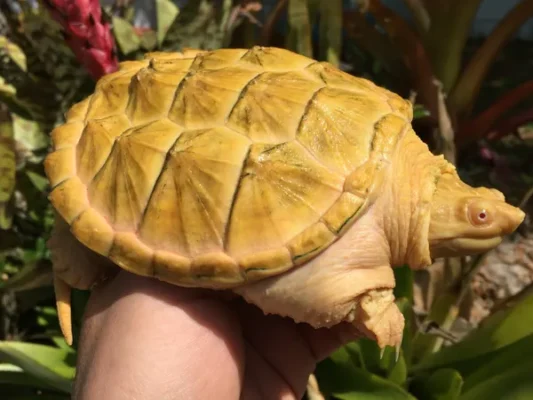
<point>405,201</point>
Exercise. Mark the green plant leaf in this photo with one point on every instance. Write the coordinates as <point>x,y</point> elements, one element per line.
<point>495,332</point>
<point>30,276</point>
<point>507,382</point>
<point>299,36</point>
<point>14,375</point>
<point>126,37</point>
<point>14,52</point>
<point>442,384</point>
<point>414,55</point>
<point>339,376</point>
<point>444,41</point>
<point>167,12</point>
<point>29,133</point>
<point>377,44</point>
<point>330,31</point>
<point>465,92</point>
<point>7,167</point>
<point>477,127</point>
<point>51,365</point>
<point>148,40</point>
<point>484,368</point>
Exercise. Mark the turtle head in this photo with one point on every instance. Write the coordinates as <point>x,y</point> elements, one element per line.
<point>467,220</point>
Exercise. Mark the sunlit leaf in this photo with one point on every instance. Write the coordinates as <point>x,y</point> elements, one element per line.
<point>29,133</point>
<point>32,275</point>
<point>7,167</point>
<point>330,31</point>
<point>450,24</point>
<point>299,37</point>
<point>50,365</point>
<point>14,52</point>
<point>127,39</point>
<point>148,40</point>
<point>167,12</point>
<point>465,92</point>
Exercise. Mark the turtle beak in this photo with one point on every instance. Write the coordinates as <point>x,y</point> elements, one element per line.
<point>512,217</point>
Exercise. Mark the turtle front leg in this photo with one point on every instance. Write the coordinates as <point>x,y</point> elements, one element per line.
<point>74,266</point>
<point>332,294</point>
<point>351,281</point>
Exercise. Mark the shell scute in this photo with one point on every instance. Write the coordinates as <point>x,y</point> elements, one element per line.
<point>207,97</point>
<point>270,108</point>
<point>275,59</point>
<point>387,132</point>
<point>311,241</point>
<point>219,59</point>
<point>171,267</point>
<point>66,135</point>
<point>347,118</point>
<point>69,198</point>
<point>79,110</point>
<point>191,201</point>
<point>265,263</point>
<point>217,267</point>
<point>282,190</point>
<point>152,93</point>
<point>131,254</point>
<point>111,94</point>
<point>345,210</point>
<point>96,142</point>
<point>94,231</point>
<point>337,79</point>
<point>121,189</point>
<point>60,165</point>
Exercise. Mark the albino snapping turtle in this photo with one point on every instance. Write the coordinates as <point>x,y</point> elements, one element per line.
<point>264,173</point>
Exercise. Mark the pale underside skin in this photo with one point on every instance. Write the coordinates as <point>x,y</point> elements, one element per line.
<point>261,171</point>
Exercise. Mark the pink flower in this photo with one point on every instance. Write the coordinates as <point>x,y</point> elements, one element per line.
<point>86,33</point>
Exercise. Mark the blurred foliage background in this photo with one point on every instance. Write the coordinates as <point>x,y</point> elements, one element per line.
<point>469,331</point>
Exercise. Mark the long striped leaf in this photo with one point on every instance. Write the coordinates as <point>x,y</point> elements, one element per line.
<point>299,37</point>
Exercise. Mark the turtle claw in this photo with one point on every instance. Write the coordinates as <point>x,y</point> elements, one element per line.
<point>398,348</point>
<point>381,319</point>
<point>381,353</point>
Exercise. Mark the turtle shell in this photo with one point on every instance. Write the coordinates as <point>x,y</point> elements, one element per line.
<point>215,168</point>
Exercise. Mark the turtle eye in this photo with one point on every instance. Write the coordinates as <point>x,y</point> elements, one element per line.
<point>479,215</point>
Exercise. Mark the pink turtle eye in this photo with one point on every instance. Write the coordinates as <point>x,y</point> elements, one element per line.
<point>479,216</point>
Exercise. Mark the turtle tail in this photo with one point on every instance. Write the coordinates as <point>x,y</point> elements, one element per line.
<point>63,291</point>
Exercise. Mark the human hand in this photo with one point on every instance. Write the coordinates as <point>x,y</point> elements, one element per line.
<point>146,339</point>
